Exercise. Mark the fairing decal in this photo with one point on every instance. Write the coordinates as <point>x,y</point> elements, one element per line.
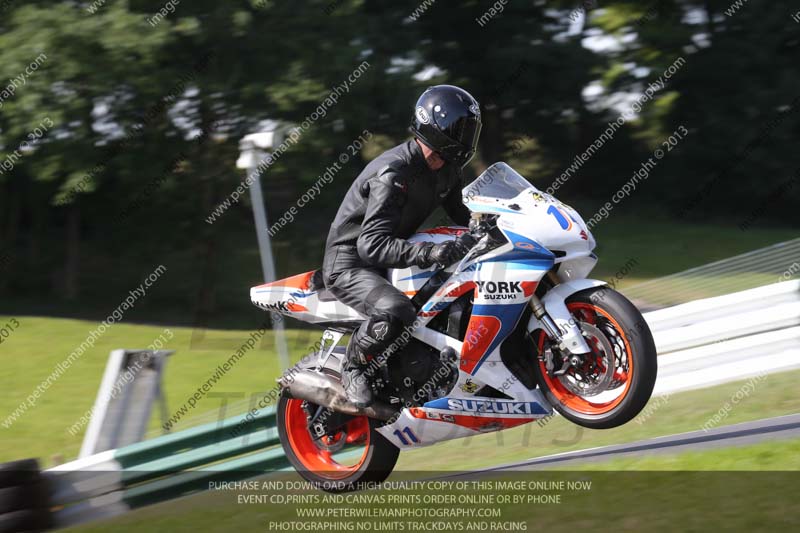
<point>504,287</point>
<point>300,281</point>
<point>524,244</point>
<point>483,424</point>
<point>422,275</point>
<point>445,296</point>
<point>488,327</point>
<point>445,230</point>
<point>487,407</point>
<point>293,297</point>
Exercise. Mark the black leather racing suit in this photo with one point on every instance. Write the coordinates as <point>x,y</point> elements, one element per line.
<point>385,205</point>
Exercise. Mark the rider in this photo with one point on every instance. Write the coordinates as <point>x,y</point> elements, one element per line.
<point>385,205</point>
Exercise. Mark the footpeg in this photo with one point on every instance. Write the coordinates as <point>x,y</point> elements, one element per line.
<point>448,356</point>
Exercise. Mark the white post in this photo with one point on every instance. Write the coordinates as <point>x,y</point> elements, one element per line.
<point>122,408</point>
<point>252,148</point>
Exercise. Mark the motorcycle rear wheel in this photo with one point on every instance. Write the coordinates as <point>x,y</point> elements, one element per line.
<point>622,328</point>
<point>361,456</point>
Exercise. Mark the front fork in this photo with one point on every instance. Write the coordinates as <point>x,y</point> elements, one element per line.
<point>556,320</point>
<point>551,315</point>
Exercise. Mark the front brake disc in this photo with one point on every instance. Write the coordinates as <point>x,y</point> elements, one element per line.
<point>596,380</point>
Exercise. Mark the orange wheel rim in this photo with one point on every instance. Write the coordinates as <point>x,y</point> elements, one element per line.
<point>576,402</point>
<point>312,455</point>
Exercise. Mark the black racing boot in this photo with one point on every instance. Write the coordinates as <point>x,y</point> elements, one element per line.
<point>356,380</point>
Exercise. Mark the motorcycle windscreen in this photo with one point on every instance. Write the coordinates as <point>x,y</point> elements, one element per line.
<point>499,181</point>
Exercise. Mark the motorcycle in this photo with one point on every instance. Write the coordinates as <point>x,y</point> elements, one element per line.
<point>509,334</point>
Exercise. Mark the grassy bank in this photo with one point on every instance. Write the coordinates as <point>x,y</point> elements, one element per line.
<point>33,350</point>
<point>780,455</point>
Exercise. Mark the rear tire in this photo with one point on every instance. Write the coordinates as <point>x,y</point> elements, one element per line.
<point>22,496</point>
<point>21,472</point>
<point>628,334</point>
<point>25,520</point>
<point>318,466</point>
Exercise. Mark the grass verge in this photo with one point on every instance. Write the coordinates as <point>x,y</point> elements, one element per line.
<point>780,455</point>
<point>33,350</point>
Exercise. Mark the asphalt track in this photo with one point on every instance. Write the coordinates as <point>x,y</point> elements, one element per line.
<point>782,427</point>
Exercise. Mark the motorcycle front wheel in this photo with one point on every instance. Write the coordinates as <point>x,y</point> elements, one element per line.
<point>615,381</point>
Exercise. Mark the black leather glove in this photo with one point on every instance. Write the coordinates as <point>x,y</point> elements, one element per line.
<point>444,254</point>
<point>466,242</point>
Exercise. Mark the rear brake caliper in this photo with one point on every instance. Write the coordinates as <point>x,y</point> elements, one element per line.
<point>327,428</point>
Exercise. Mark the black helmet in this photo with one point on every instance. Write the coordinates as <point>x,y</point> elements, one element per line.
<point>448,120</point>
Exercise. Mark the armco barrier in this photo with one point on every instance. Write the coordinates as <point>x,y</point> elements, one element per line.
<point>727,338</point>
<point>164,468</point>
<point>749,312</point>
<point>700,343</point>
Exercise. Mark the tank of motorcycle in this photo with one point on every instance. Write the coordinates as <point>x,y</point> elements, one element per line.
<point>524,210</point>
<point>411,279</point>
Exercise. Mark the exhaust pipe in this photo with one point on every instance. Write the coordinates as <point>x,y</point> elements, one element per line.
<point>323,390</point>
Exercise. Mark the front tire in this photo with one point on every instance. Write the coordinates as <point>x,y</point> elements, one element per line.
<point>356,455</point>
<point>616,331</point>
